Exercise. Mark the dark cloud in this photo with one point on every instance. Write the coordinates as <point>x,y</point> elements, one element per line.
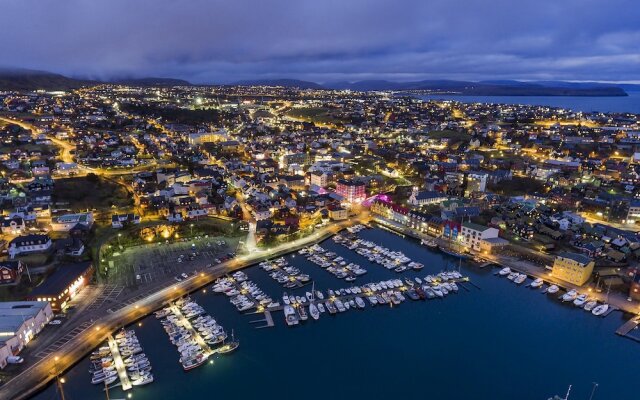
<point>221,41</point>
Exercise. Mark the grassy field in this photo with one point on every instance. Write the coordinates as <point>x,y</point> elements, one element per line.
<point>89,193</point>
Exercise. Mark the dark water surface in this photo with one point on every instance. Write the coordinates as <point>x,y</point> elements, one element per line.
<point>630,104</point>
<point>501,341</point>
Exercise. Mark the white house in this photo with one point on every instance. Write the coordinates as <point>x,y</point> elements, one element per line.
<point>423,198</point>
<point>472,234</point>
<point>29,244</point>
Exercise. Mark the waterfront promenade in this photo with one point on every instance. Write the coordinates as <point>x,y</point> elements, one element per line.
<point>41,373</point>
<point>616,300</point>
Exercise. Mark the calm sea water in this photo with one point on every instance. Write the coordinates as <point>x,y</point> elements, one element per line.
<point>501,341</point>
<point>629,103</point>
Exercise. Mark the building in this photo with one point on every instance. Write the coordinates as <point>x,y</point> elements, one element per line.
<point>573,268</point>
<point>633,214</point>
<point>295,158</point>
<point>319,178</point>
<point>473,234</point>
<point>20,321</point>
<point>63,285</point>
<point>118,220</point>
<point>206,137</point>
<point>424,198</point>
<point>476,182</point>
<point>13,226</point>
<point>64,223</point>
<point>10,272</point>
<point>338,213</point>
<point>352,191</point>
<point>29,244</point>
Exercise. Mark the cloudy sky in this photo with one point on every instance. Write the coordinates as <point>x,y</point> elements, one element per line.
<point>213,41</point>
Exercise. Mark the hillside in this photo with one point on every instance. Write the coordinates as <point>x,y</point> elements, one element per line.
<point>21,79</point>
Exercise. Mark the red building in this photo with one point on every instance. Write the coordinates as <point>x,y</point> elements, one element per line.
<point>10,272</point>
<point>352,191</point>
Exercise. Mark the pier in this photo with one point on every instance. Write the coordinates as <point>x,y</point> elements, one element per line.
<point>185,322</point>
<point>119,363</point>
<point>630,325</point>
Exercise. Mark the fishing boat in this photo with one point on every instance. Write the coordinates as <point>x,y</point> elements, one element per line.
<point>193,362</point>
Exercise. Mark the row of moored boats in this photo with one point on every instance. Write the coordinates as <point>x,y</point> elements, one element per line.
<point>332,263</point>
<point>138,367</point>
<point>391,260</point>
<point>283,273</point>
<point>579,300</point>
<point>243,293</point>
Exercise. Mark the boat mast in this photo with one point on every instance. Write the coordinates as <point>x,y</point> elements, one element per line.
<point>593,391</point>
<point>106,389</point>
<point>568,391</point>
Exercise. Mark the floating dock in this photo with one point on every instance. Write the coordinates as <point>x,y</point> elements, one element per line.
<point>120,367</point>
<point>628,327</point>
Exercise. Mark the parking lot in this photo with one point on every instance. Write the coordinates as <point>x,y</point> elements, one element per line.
<point>143,265</point>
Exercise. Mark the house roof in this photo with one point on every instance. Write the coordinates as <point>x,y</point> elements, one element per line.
<point>57,282</point>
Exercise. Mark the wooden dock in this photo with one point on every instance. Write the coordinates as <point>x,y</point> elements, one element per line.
<point>628,327</point>
<point>119,363</point>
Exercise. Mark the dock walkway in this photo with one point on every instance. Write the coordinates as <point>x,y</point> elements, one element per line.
<point>120,367</point>
<point>185,322</point>
<point>628,327</point>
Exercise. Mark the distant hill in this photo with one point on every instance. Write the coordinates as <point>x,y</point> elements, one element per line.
<point>489,88</point>
<point>292,83</point>
<point>24,79</point>
<point>151,82</point>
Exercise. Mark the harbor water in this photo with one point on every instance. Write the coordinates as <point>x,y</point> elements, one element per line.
<point>497,341</point>
<point>621,104</point>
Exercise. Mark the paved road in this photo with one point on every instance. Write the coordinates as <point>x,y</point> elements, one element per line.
<point>40,374</point>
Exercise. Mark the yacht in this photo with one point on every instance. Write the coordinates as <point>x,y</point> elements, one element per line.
<point>537,283</point>
<point>321,307</point>
<point>553,289</point>
<point>504,271</point>
<point>520,278</point>
<point>359,302</point>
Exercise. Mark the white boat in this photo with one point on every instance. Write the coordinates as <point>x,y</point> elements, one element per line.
<point>504,271</point>
<point>580,300</point>
<point>359,302</point>
<point>590,305</point>
<point>290,315</point>
<point>600,310</point>
<point>553,289</point>
<point>570,295</point>
<point>537,283</point>
<point>520,278</point>
<point>313,310</point>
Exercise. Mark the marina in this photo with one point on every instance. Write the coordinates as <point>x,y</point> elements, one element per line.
<point>285,274</point>
<point>332,263</point>
<point>463,324</point>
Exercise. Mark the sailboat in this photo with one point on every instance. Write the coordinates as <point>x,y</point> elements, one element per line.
<point>228,347</point>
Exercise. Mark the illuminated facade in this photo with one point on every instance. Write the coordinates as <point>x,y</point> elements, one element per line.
<point>63,285</point>
<point>20,321</point>
<point>573,268</point>
<point>352,191</point>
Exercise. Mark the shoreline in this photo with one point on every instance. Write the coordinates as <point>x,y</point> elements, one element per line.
<point>38,376</point>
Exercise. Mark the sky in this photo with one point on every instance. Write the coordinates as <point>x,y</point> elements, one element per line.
<point>213,41</point>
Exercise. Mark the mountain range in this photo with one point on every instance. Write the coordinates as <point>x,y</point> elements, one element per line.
<point>23,79</point>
